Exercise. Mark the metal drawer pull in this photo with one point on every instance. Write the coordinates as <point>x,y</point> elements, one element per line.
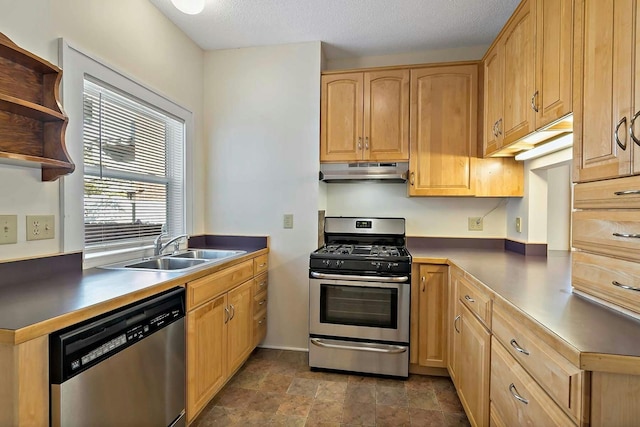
<point>423,286</point>
<point>454,323</point>
<point>626,192</point>
<point>233,311</point>
<point>468,298</point>
<point>262,302</point>
<point>261,321</point>
<point>500,127</point>
<point>534,107</point>
<point>262,265</point>
<point>514,393</point>
<point>412,178</point>
<point>366,143</point>
<point>359,143</point>
<point>629,235</point>
<point>615,134</point>
<point>515,345</point>
<point>370,347</point>
<point>226,315</point>
<point>620,285</point>
<point>633,121</point>
<point>261,285</point>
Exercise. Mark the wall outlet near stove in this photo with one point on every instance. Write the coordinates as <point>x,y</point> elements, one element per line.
<point>475,223</point>
<point>40,227</point>
<point>287,221</point>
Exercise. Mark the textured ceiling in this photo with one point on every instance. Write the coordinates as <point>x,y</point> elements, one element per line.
<point>348,28</point>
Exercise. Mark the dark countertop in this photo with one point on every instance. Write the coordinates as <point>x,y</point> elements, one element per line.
<point>32,305</point>
<point>541,288</point>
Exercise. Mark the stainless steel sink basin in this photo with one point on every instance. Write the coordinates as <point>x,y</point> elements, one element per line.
<point>166,263</point>
<point>209,254</point>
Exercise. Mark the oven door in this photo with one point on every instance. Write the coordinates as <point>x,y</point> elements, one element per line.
<point>359,309</point>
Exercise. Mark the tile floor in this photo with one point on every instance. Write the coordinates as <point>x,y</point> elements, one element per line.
<point>277,388</point>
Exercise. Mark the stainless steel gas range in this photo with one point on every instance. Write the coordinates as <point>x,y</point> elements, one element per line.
<point>359,297</point>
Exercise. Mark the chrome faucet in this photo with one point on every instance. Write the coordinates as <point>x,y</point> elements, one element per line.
<point>159,247</point>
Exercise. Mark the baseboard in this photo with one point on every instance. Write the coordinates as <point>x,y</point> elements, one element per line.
<point>427,370</point>
<point>278,347</point>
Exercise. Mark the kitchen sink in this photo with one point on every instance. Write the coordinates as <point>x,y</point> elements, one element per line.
<point>208,254</point>
<point>181,261</point>
<point>166,263</point>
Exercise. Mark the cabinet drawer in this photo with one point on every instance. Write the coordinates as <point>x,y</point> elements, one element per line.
<point>203,289</point>
<point>517,398</point>
<point>622,193</point>
<point>476,299</point>
<point>610,279</point>
<point>260,283</point>
<point>259,327</point>
<point>615,233</point>
<point>260,302</point>
<point>555,374</point>
<point>260,264</point>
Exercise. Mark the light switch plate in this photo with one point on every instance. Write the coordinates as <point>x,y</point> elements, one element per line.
<point>287,221</point>
<point>475,223</point>
<point>8,229</point>
<point>40,227</point>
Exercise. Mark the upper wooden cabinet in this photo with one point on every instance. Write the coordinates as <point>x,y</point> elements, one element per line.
<point>365,116</point>
<point>443,130</point>
<point>527,74</point>
<point>32,123</point>
<point>606,106</point>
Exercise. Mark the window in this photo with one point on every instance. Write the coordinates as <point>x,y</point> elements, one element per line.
<point>133,169</point>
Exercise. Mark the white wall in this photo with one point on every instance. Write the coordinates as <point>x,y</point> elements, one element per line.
<point>559,208</point>
<point>426,216</point>
<point>423,57</point>
<point>262,114</point>
<point>134,37</point>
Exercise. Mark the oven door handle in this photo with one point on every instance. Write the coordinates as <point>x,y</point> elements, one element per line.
<point>384,279</point>
<point>371,347</point>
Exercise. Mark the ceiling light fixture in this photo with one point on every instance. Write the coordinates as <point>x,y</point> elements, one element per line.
<point>190,7</point>
<point>557,144</point>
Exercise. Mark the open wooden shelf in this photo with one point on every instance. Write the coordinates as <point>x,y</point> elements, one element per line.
<point>32,122</point>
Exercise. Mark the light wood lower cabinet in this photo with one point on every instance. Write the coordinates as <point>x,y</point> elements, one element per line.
<point>429,290</point>
<point>221,327</point>
<point>472,350</point>
<point>516,399</point>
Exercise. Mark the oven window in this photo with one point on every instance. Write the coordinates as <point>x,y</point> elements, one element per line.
<point>359,306</point>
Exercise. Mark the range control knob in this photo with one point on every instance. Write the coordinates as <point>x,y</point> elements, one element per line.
<point>339,263</point>
<point>326,262</point>
<point>391,265</point>
<point>376,264</point>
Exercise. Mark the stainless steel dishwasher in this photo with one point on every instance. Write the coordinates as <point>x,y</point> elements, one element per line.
<point>124,368</point>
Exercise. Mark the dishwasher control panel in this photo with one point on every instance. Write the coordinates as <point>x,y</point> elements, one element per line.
<point>79,347</point>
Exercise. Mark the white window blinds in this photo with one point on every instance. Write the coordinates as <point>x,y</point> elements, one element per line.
<point>133,169</point>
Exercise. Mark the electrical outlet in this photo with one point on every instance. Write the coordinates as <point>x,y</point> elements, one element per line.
<point>519,225</point>
<point>8,229</point>
<point>40,227</point>
<point>475,223</point>
<point>287,221</point>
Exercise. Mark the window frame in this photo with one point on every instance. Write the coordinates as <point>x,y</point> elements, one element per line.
<point>76,65</point>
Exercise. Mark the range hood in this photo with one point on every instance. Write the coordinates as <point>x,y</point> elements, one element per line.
<point>354,172</point>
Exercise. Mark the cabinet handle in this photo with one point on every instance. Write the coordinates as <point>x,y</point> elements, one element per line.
<point>514,393</point>
<point>413,178</point>
<point>262,302</point>
<point>620,285</point>
<point>500,127</point>
<point>495,129</point>
<point>261,321</point>
<point>262,284</point>
<point>454,323</point>
<point>615,134</point>
<point>226,315</point>
<point>515,345</point>
<point>534,105</point>
<point>628,235</point>
<point>633,121</point>
<point>262,265</point>
<point>359,143</point>
<point>233,312</point>
<point>423,286</point>
<point>366,143</point>
<point>626,192</point>
<point>468,298</point>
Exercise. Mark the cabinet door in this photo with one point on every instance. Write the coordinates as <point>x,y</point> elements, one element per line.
<point>554,48</point>
<point>386,115</point>
<point>493,99</point>
<point>341,116</point>
<point>443,122</point>
<point>602,86</point>
<point>240,325</point>
<point>473,371</point>
<point>634,127</point>
<point>454,327</point>
<point>206,357</point>
<point>519,116</point>
<point>432,327</point>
